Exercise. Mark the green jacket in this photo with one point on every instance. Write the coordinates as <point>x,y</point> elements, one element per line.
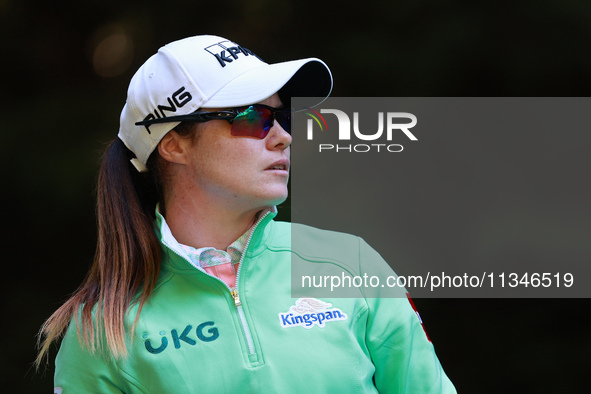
<point>195,336</point>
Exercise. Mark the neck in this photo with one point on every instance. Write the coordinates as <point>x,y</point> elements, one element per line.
<point>205,223</point>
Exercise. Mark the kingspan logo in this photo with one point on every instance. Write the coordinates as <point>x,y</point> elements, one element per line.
<point>389,123</point>
<point>308,312</point>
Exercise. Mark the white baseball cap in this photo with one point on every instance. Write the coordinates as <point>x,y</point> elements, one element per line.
<point>208,72</point>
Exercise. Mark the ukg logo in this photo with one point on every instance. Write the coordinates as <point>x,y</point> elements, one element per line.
<point>389,125</point>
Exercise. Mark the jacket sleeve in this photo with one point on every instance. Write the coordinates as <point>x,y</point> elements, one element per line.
<point>403,355</point>
<point>79,371</point>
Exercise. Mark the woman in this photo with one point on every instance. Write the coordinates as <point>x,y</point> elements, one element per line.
<point>190,287</point>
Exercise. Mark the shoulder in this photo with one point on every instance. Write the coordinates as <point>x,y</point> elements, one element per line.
<point>318,245</point>
<point>78,368</point>
<point>334,257</point>
<point>312,241</point>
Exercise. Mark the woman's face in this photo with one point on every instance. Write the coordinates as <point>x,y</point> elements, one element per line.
<point>246,172</point>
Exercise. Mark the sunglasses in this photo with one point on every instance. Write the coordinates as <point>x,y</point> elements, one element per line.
<point>252,121</point>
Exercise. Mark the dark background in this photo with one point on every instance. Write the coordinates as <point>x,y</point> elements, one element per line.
<point>65,69</point>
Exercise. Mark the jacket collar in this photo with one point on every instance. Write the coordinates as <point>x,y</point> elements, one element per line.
<point>253,246</point>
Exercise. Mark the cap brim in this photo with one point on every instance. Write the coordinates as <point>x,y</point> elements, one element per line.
<point>297,78</point>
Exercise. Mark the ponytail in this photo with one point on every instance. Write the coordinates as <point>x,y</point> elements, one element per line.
<point>126,262</point>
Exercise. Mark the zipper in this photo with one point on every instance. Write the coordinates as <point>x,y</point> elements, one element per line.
<point>245,329</point>
<point>235,295</point>
<point>236,298</point>
<point>234,292</point>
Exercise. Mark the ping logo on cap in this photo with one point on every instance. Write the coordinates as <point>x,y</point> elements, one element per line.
<point>177,100</point>
<point>228,51</point>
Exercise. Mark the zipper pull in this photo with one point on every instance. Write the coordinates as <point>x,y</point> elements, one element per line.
<point>236,298</point>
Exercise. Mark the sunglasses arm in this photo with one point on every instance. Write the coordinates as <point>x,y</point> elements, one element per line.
<point>193,117</point>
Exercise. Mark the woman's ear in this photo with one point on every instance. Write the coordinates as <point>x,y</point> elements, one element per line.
<point>172,148</point>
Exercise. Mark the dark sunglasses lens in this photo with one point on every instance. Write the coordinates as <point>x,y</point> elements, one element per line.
<point>252,122</point>
<point>284,119</point>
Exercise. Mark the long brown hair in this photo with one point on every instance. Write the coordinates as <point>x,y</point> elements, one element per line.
<point>126,262</point>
